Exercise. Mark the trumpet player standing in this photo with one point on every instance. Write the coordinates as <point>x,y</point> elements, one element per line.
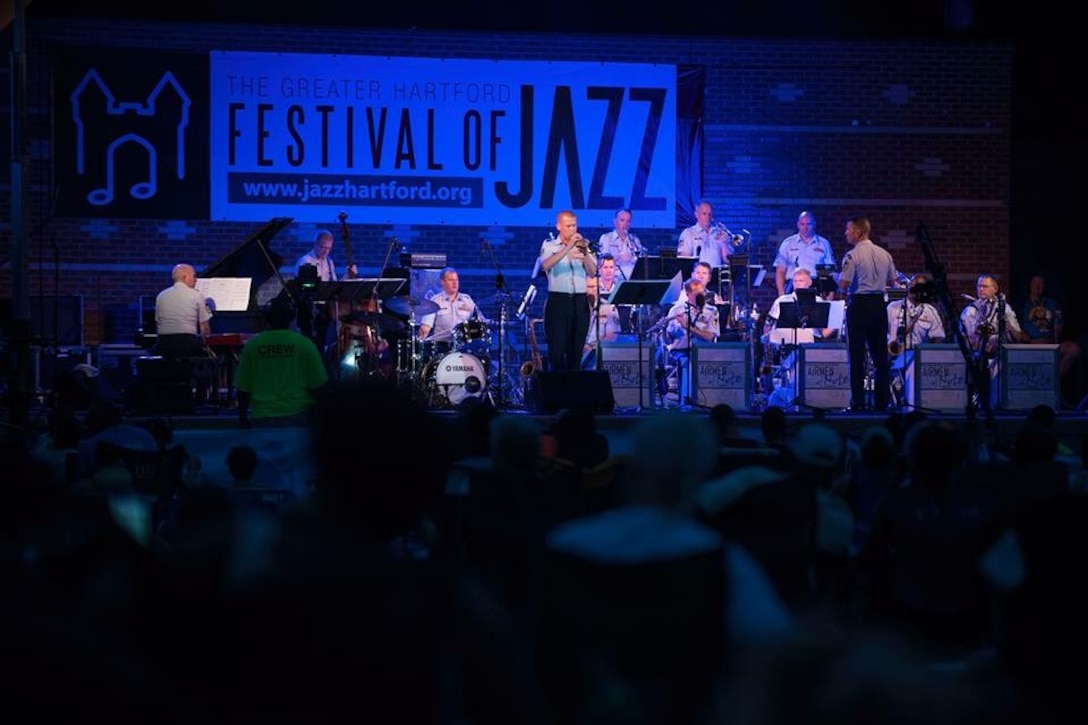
<point>912,321</point>
<point>983,323</point>
<point>567,261</point>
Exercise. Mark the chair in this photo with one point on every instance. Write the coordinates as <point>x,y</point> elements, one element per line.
<point>165,386</point>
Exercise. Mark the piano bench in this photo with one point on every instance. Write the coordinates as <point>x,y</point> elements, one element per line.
<point>172,385</point>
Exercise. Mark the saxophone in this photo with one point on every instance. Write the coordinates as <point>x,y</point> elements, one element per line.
<point>528,368</point>
<point>902,333</point>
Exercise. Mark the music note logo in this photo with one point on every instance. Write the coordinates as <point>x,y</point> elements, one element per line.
<point>93,102</point>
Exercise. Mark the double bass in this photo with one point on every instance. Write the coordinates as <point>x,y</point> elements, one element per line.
<point>359,318</point>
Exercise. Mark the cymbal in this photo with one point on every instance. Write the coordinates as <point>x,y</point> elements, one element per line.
<point>408,305</point>
<point>361,317</point>
<point>392,325</point>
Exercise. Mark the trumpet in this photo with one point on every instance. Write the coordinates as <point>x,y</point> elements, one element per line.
<point>736,240</point>
<point>585,245</point>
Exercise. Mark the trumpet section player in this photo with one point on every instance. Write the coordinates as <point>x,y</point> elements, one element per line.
<point>567,261</point>
<point>912,321</point>
<point>711,242</point>
<point>804,250</point>
<point>604,324</point>
<point>622,244</point>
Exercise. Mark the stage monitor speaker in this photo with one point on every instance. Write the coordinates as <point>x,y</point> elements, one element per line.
<point>552,391</point>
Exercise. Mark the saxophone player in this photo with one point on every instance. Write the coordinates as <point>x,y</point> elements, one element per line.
<point>912,321</point>
<point>982,322</point>
<point>604,323</point>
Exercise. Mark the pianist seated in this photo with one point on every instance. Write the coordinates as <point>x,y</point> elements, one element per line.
<point>182,316</point>
<point>279,373</point>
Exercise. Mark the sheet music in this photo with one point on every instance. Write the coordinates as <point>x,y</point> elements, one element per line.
<point>836,314</point>
<point>228,294</point>
<point>760,274</point>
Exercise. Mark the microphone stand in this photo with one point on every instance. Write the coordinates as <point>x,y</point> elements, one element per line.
<point>501,294</point>
<point>902,371</point>
<point>688,399</point>
<point>1000,348</point>
<point>375,365</point>
<point>597,348</point>
<point>944,299</point>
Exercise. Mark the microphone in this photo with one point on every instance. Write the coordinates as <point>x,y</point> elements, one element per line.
<point>968,297</point>
<point>1001,297</point>
<point>698,249</point>
<point>700,300</point>
<point>484,247</point>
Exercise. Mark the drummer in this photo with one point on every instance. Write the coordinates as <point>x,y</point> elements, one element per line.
<point>454,308</point>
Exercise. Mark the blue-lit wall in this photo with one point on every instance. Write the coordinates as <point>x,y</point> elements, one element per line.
<point>905,132</point>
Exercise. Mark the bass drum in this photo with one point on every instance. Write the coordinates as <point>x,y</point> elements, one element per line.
<point>456,377</point>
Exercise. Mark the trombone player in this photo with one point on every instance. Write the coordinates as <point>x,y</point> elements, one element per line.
<point>912,321</point>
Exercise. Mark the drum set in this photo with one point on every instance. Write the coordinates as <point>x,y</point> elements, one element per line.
<point>442,371</point>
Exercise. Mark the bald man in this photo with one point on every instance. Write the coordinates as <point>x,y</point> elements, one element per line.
<point>182,316</point>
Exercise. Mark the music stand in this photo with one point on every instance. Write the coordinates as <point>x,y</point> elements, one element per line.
<point>638,292</point>
<point>806,313</point>
<point>824,283</point>
<point>661,267</point>
<point>352,290</point>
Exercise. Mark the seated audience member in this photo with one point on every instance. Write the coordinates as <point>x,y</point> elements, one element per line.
<point>242,464</point>
<point>577,438</point>
<point>920,565</point>
<point>727,428</point>
<point>279,373</point>
<point>60,444</point>
<point>775,427</point>
<point>105,423</point>
<point>650,543</point>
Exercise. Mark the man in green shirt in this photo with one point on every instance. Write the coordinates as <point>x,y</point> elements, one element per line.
<point>279,373</point>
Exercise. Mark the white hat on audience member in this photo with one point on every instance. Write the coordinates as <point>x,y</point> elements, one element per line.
<point>817,444</point>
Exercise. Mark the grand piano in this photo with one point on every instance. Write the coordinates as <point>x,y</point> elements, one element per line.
<point>251,258</point>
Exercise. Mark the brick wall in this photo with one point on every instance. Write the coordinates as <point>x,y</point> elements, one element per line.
<point>905,132</point>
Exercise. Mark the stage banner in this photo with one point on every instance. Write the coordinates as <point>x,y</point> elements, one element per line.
<point>130,130</point>
<point>440,140</point>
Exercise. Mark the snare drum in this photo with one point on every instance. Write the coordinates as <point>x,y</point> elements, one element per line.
<point>472,336</point>
<point>456,377</point>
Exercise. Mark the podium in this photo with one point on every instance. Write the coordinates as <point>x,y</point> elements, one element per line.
<point>824,380</point>
<point>939,377</point>
<point>628,378</point>
<point>1029,376</point>
<point>630,367</point>
<point>721,373</point>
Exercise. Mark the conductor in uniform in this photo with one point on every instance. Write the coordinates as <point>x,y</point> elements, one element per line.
<point>867,271</point>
